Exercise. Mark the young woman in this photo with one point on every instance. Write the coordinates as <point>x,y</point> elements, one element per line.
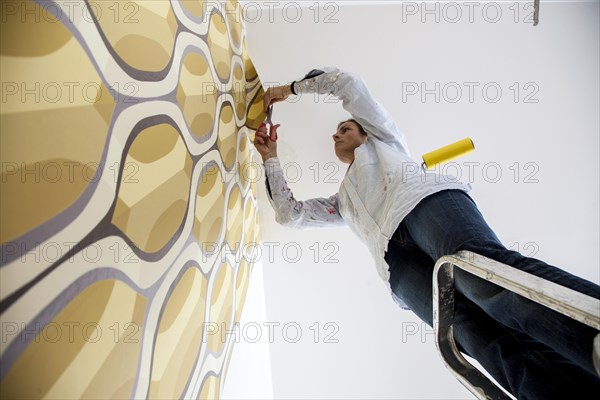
<point>409,219</point>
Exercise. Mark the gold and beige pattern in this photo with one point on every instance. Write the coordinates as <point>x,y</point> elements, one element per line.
<point>127,214</point>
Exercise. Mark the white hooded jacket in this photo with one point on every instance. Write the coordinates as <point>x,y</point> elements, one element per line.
<point>381,186</point>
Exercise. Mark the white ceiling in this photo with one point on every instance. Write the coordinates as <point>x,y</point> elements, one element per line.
<point>554,141</point>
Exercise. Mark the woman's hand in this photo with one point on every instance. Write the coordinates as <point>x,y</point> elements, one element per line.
<point>275,94</point>
<point>265,142</point>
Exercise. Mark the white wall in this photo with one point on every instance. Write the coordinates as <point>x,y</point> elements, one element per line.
<point>249,374</point>
<point>383,352</point>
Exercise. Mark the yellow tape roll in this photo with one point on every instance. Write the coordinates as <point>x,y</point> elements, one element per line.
<point>447,153</point>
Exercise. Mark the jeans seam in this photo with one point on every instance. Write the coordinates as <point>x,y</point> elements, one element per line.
<point>472,231</point>
<point>539,357</point>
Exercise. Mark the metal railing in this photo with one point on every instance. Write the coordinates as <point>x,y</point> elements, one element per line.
<point>569,302</point>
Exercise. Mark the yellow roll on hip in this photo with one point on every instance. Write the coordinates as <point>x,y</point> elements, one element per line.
<point>447,153</point>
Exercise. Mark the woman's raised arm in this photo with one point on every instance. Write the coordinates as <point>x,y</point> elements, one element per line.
<point>356,99</point>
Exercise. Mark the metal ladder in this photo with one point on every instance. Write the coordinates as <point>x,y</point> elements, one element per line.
<point>576,305</point>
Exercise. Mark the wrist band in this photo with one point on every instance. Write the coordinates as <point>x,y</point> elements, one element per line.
<point>292,87</point>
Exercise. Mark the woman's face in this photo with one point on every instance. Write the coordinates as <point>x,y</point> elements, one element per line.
<point>346,139</point>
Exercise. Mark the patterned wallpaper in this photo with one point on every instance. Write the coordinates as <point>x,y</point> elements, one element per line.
<point>128,215</point>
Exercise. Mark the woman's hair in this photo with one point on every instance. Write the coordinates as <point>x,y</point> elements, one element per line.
<point>360,128</point>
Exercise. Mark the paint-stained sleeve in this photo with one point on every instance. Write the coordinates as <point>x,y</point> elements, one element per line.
<point>313,213</point>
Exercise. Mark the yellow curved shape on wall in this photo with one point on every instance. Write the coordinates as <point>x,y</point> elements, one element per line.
<point>255,114</point>
<point>195,7</point>
<point>227,136</point>
<point>90,349</point>
<point>233,11</point>
<point>220,48</point>
<point>142,33</point>
<point>197,94</point>
<point>152,201</point>
<point>241,288</point>
<point>210,388</point>
<point>221,304</point>
<point>210,206</point>
<point>179,336</point>
<point>238,92</point>
<point>233,236</point>
<point>54,125</point>
<point>250,73</point>
<point>247,170</point>
<point>249,228</point>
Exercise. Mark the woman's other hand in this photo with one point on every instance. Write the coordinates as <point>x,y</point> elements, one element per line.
<point>266,143</point>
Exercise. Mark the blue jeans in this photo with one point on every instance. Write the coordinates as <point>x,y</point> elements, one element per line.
<point>531,350</point>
